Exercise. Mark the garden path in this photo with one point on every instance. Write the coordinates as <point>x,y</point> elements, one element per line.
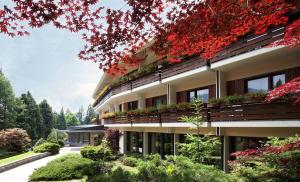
<point>22,173</point>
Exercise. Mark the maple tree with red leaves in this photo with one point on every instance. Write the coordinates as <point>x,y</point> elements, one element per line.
<point>113,36</point>
<point>291,88</point>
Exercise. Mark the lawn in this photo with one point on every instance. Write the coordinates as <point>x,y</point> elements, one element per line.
<point>16,157</point>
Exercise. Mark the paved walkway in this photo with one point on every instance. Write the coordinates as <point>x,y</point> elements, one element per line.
<point>22,173</point>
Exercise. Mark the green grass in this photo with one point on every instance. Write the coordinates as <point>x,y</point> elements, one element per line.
<point>16,157</point>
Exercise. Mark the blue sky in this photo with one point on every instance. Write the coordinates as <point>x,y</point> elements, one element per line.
<point>46,64</point>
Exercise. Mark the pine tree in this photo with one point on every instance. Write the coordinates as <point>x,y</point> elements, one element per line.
<point>21,110</point>
<point>33,117</point>
<point>80,115</point>
<point>7,103</point>
<point>90,114</point>
<point>61,120</point>
<point>47,115</point>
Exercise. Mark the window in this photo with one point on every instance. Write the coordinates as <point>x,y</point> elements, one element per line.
<point>158,101</point>
<point>278,80</point>
<point>199,93</point>
<point>265,83</point>
<point>120,107</point>
<point>132,105</point>
<point>258,85</point>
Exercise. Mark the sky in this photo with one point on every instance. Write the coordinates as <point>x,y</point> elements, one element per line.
<point>46,64</point>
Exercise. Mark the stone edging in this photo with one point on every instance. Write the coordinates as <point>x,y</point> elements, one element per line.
<point>23,161</point>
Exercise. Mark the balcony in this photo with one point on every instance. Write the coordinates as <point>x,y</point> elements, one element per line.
<point>244,45</point>
<point>245,112</point>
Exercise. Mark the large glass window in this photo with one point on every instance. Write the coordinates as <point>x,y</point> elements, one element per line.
<point>132,105</point>
<point>158,101</point>
<point>258,85</point>
<point>200,94</point>
<point>278,80</point>
<point>266,83</point>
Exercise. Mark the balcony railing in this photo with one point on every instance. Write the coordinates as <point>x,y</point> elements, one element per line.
<point>246,44</point>
<point>228,113</point>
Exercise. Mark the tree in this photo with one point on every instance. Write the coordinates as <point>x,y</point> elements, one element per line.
<point>61,122</point>
<point>14,139</point>
<point>112,36</point>
<point>33,117</point>
<point>80,115</point>
<point>47,115</point>
<point>90,114</point>
<point>21,111</point>
<point>71,119</point>
<point>7,103</point>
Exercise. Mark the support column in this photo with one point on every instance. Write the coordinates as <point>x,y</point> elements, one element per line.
<point>116,108</point>
<point>141,101</point>
<point>176,141</point>
<point>111,109</point>
<point>123,142</point>
<point>171,94</point>
<point>123,107</point>
<point>145,143</point>
<point>221,85</point>
<point>225,154</point>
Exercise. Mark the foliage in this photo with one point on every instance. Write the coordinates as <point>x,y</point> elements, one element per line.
<point>208,152</point>
<point>47,117</point>
<point>6,154</point>
<point>14,139</point>
<point>52,137</point>
<point>61,143</point>
<point>112,138</point>
<point>53,148</point>
<point>285,91</point>
<point>7,103</point>
<point>71,166</point>
<point>129,161</point>
<point>278,161</point>
<point>90,115</point>
<point>239,99</point>
<point>235,99</point>
<point>115,175</point>
<point>39,142</point>
<point>80,115</point>
<point>61,120</point>
<point>196,118</point>
<point>177,169</point>
<point>71,119</point>
<point>96,153</point>
<point>112,36</point>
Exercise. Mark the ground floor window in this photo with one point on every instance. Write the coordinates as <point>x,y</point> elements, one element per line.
<point>243,143</point>
<point>135,142</point>
<point>161,143</point>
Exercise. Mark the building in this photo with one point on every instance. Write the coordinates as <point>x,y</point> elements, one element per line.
<point>247,66</point>
<point>85,135</point>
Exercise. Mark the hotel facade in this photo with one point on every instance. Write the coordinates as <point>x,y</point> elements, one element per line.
<point>247,66</point>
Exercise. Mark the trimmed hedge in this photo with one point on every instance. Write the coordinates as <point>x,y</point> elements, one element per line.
<point>129,161</point>
<point>96,153</point>
<point>71,166</point>
<point>53,148</point>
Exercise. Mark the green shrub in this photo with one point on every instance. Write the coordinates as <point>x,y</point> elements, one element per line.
<point>61,143</point>
<point>218,102</point>
<point>96,153</point>
<point>52,137</point>
<point>5,154</point>
<point>116,175</point>
<point>53,148</point>
<point>129,161</point>
<point>71,166</point>
<point>235,99</point>
<point>39,142</point>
